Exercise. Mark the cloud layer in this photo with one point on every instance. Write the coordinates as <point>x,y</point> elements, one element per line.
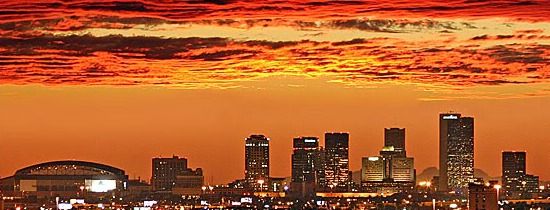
<point>205,44</point>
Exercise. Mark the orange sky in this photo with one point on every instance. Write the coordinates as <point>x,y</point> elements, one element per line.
<point>119,82</point>
<point>125,127</point>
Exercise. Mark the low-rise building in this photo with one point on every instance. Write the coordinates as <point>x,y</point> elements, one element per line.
<point>482,197</point>
<point>65,179</point>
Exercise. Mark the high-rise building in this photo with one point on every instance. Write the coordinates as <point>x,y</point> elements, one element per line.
<point>394,139</point>
<point>513,173</point>
<point>456,152</point>
<point>337,160</point>
<point>257,162</point>
<point>303,156</point>
<point>481,197</point>
<point>320,162</point>
<point>392,171</point>
<point>307,166</point>
<point>515,180</point>
<point>165,172</point>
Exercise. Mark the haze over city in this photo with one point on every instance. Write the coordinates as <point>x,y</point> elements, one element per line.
<point>125,127</point>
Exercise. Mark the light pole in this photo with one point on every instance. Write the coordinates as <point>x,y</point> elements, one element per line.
<point>261,182</point>
<point>497,187</point>
<point>82,191</point>
<point>428,185</point>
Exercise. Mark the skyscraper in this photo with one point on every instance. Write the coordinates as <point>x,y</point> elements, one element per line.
<point>395,138</point>
<point>303,166</point>
<point>456,152</point>
<point>513,172</point>
<point>392,171</point>
<point>337,160</point>
<point>307,166</point>
<point>165,172</point>
<point>257,162</point>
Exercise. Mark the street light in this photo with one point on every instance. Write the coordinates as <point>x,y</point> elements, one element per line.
<point>261,182</point>
<point>331,187</point>
<point>498,191</point>
<point>425,184</point>
<point>82,191</point>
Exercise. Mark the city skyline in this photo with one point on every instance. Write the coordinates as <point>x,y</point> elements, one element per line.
<point>210,177</point>
<point>122,81</point>
<point>274,104</point>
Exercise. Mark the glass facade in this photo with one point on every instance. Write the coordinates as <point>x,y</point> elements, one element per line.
<point>456,152</point>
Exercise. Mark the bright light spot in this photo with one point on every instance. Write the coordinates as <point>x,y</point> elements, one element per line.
<point>101,185</point>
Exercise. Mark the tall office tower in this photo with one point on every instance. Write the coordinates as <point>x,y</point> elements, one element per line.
<point>392,171</point>
<point>513,173</point>
<point>394,139</point>
<point>307,169</point>
<point>165,172</point>
<point>320,161</point>
<point>257,162</point>
<point>303,164</point>
<point>456,152</point>
<point>394,147</point>
<point>337,160</point>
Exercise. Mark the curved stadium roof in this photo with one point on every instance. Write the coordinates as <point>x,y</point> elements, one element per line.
<point>70,167</point>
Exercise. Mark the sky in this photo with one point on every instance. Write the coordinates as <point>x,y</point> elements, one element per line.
<point>119,82</point>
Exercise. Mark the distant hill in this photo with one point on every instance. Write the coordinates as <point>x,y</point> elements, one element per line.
<point>428,173</point>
